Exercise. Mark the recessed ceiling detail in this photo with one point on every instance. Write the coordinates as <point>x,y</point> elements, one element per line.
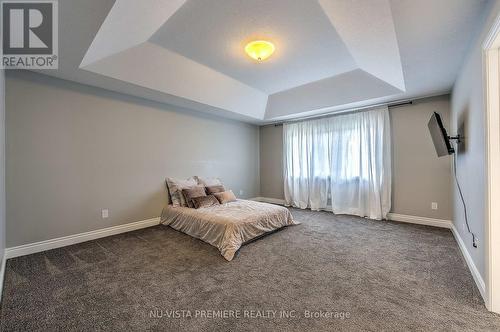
<point>367,28</point>
<point>128,24</point>
<point>168,72</point>
<point>329,53</point>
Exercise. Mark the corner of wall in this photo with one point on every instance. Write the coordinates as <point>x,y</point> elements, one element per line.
<point>468,119</point>
<point>2,178</point>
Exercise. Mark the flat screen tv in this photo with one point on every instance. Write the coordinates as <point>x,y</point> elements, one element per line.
<point>439,136</point>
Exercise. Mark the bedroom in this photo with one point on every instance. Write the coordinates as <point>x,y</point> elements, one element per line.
<point>163,172</point>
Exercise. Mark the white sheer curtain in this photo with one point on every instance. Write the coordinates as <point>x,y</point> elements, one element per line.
<point>343,160</point>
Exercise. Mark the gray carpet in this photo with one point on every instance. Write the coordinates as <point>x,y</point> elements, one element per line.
<point>352,273</point>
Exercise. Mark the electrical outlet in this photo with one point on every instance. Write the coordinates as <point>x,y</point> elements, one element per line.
<point>241,192</point>
<point>104,213</point>
<point>434,205</point>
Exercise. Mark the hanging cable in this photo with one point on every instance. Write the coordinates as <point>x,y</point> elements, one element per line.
<point>474,244</point>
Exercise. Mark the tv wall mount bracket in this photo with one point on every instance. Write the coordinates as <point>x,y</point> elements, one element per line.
<point>456,138</point>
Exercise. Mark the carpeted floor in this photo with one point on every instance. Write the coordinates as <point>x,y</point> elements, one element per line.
<point>329,273</point>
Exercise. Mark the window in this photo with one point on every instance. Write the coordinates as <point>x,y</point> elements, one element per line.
<point>346,157</point>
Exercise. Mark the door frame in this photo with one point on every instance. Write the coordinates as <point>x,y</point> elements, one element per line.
<point>491,70</point>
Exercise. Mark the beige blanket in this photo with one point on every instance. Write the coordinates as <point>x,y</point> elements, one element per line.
<point>228,226</point>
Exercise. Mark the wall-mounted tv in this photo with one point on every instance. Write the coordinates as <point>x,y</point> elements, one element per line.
<point>439,136</point>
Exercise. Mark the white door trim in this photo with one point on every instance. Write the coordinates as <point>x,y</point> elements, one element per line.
<point>491,71</point>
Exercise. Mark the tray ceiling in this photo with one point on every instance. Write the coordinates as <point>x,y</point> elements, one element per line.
<point>330,54</point>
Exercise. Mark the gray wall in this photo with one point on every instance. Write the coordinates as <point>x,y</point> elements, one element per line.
<point>419,176</point>
<point>73,150</point>
<point>2,166</point>
<point>468,118</point>
<point>271,162</point>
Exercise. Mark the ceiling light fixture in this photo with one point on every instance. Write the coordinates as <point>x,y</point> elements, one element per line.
<point>259,50</point>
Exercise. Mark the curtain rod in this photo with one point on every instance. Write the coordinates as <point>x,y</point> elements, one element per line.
<point>349,110</point>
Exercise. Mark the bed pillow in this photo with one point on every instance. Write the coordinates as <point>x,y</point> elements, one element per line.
<point>175,188</point>
<point>208,182</point>
<point>190,193</point>
<point>169,197</point>
<point>214,189</point>
<point>204,201</point>
<point>225,196</point>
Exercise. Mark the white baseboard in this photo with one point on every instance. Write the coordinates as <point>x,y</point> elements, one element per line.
<point>391,216</point>
<point>32,248</point>
<point>470,263</point>
<point>420,220</point>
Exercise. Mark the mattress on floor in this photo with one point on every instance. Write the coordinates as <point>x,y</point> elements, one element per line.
<point>228,226</point>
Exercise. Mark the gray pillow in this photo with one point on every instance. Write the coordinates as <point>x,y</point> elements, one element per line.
<point>175,188</point>
<point>214,189</point>
<point>204,201</point>
<point>207,182</point>
<point>190,193</point>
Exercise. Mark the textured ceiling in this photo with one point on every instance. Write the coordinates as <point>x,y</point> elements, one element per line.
<point>331,54</point>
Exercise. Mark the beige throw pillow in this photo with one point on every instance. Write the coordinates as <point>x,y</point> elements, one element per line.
<point>225,197</point>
